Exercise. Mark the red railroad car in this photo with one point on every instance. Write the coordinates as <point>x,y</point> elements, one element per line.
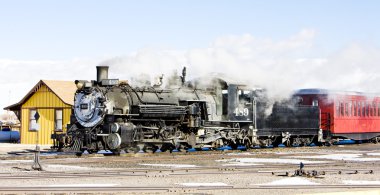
<point>351,115</point>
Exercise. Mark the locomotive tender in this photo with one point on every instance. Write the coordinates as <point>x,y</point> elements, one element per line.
<point>111,114</point>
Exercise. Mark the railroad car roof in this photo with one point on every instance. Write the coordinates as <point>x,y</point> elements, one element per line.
<point>317,91</point>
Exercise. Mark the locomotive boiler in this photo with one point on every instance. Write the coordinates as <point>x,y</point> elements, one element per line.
<point>111,114</point>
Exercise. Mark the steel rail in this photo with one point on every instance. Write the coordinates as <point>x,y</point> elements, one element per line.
<point>178,188</point>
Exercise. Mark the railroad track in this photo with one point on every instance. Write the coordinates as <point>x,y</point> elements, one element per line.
<point>165,189</point>
<point>151,172</point>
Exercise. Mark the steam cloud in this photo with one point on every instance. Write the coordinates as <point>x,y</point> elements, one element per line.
<point>280,66</point>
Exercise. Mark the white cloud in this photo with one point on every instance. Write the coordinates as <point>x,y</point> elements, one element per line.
<point>278,65</point>
<point>19,76</point>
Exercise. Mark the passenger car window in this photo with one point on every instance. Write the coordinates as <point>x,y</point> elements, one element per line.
<point>374,107</point>
<point>363,108</point>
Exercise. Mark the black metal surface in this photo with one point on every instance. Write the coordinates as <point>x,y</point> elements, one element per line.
<point>160,110</point>
<point>292,131</point>
<point>291,117</point>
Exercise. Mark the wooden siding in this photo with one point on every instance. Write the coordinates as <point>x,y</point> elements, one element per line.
<point>45,102</point>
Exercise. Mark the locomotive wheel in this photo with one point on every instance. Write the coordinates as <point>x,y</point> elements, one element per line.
<point>113,141</point>
<point>277,141</point>
<point>166,146</point>
<point>150,147</point>
<point>116,152</point>
<point>132,149</point>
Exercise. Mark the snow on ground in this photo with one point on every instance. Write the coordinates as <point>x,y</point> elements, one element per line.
<point>240,154</point>
<point>346,157</point>
<point>353,182</point>
<point>374,154</point>
<point>270,160</point>
<point>83,185</point>
<point>202,184</point>
<point>67,167</point>
<point>241,164</point>
<point>15,161</point>
<point>291,181</point>
<point>171,165</point>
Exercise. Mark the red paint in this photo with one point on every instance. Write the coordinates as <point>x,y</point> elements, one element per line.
<point>346,110</point>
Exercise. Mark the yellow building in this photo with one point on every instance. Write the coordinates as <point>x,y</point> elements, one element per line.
<point>53,101</point>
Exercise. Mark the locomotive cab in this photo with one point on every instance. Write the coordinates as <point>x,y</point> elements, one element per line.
<point>238,103</point>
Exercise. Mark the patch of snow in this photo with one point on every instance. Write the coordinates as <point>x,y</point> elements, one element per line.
<point>270,160</point>
<point>242,164</point>
<point>15,161</point>
<point>293,152</point>
<point>68,167</point>
<point>291,181</point>
<point>171,165</point>
<point>346,157</point>
<point>361,182</point>
<point>373,154</point>
<point>83,185</point>
<point>72,159</point>
<point>202,184</point>
<point>240,154</point>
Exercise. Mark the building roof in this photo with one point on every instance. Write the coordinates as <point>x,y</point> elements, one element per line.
<point>64,90</point>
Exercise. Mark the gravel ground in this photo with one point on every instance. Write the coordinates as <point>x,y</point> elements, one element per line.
<point>183,173</point>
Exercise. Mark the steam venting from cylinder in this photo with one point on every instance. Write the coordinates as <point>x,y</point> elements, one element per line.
<point>101,73</point>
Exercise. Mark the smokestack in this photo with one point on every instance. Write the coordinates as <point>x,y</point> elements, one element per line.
<point>101,73</point>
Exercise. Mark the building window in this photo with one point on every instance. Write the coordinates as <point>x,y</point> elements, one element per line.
<point>355,109</point>
<point>32,121</point>
<point>341,108</point>
<point>58,120</point>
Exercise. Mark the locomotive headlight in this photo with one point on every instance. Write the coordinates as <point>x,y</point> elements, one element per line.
<point>83,84</point>
<point>114,127</point>
<point>79,84</point>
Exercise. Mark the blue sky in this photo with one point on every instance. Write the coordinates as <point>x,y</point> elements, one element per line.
<point>67,29</point>
<point>279,45</point>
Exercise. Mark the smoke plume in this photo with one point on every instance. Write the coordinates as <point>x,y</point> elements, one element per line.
<point>280,66</point>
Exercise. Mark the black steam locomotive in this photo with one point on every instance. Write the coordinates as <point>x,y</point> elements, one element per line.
<point>111,114</point>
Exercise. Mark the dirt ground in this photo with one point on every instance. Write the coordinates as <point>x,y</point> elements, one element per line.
<point>337,169</point>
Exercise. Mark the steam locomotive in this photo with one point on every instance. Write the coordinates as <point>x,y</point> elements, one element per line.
<point>109,114</point>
